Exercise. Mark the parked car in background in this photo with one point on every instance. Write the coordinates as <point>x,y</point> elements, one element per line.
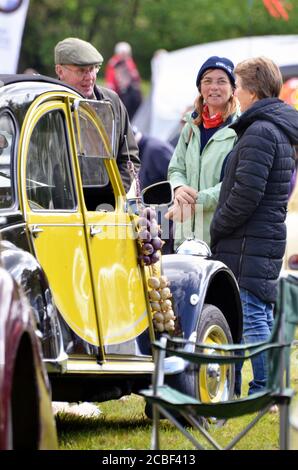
<point>26,420</point>
<point>72,241</point>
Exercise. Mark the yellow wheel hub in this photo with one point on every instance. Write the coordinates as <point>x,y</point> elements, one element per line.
<point>213,377</point>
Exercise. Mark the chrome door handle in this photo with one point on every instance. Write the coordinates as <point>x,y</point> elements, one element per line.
<point>95,230</point>
<point>35,230</point>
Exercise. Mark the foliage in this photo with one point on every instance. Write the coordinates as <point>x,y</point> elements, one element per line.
<point>148,25</point>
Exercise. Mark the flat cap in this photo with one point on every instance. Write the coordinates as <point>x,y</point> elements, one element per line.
<point>75,51</point>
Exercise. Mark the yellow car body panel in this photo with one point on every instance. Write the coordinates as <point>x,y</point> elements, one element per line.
<point>60,246</point>
<point>61,250</point>
<point>117,277</point>
<point>96,279</point>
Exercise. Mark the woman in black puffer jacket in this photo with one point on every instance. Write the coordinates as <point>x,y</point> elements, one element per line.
<point>248,230</point>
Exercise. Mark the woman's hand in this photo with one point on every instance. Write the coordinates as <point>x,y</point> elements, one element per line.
<point>185,195</point>
<point>184,204</point>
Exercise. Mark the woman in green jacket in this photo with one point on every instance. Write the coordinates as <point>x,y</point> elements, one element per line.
<point>205,140</point>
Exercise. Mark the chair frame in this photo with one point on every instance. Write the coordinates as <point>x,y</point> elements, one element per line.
<point>171,403</point>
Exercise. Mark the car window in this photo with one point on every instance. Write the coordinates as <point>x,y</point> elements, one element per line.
<point>7,134</point>
<point>93,150</point>
<point>48,173</point>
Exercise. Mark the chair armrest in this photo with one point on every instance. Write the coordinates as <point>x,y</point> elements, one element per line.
<point>227,354</point>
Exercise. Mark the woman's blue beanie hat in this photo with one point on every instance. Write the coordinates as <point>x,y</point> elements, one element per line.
<point>215,62</point>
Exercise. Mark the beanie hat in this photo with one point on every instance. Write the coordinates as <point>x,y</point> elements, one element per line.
<point>215,62</point>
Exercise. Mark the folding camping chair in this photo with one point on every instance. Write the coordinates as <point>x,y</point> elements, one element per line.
<point>174,405</point>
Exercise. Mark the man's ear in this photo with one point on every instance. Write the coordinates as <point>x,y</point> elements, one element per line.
<point>59,70</point>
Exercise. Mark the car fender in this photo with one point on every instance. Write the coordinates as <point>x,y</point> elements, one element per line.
<point>28,273</point>
<point>194,281</point>
<point>21,352</point>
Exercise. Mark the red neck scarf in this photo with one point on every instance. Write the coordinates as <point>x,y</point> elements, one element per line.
<point>213,121</point>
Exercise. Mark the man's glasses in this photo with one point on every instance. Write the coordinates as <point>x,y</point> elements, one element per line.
<point>83,71</point>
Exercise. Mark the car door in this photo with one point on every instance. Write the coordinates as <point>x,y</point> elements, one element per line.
<point>53,213</point>
<point>118,280</point>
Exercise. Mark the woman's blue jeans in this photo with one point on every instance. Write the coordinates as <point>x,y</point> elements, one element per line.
<point>257,326</point>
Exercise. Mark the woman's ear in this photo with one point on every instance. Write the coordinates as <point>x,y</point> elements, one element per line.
<point>254,97</point>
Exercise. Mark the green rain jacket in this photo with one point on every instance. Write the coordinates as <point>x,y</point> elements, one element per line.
<point>202,172</point>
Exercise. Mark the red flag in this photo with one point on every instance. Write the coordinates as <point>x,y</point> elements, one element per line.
<point>277,9</point>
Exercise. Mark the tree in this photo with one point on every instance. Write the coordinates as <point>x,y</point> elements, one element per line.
<point>148,25</point>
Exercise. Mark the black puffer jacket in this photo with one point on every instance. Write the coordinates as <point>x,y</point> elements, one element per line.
<point>248,230</point>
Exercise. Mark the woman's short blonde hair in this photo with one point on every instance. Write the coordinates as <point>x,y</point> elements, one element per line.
<point>261,76</point>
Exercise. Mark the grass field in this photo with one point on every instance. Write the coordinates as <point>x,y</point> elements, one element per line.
<point>123,425</point>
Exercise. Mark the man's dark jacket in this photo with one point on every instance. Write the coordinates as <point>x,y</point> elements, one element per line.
<point>123,128</point>
<point>248,231</point>
<point>155,156</point>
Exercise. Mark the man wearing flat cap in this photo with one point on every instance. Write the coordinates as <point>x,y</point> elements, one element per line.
<point>77,63</point>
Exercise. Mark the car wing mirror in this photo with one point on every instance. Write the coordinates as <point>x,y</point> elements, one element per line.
<point>158,194</point>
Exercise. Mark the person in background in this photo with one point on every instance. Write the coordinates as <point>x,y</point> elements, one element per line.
<point>174,137</point>
<point>122,76</point>
<point>248,231</point>
<point>30,71</point>
<point>204,142</point>
<point>77,63</point>
<point>155,156</point>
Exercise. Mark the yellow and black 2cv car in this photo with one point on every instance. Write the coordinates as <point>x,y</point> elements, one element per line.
<point>71,239</point>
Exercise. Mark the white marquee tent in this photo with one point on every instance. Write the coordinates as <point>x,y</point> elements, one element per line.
<point>174,76</point>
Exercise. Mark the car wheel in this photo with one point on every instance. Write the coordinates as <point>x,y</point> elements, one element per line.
<point>212,382</point>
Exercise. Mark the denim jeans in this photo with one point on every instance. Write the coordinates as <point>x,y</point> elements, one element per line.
<point>257,326</point>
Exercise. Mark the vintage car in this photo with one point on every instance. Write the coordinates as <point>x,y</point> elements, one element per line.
<point>71,239</point>
<point>26,420</point>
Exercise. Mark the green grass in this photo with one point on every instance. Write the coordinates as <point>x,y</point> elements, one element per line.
<point>123,425</point>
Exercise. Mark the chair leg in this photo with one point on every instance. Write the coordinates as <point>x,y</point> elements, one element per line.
<point>155,445</point>
<point>284,426</point>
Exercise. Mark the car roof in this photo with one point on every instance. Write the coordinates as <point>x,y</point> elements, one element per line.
<point>7,79</point>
